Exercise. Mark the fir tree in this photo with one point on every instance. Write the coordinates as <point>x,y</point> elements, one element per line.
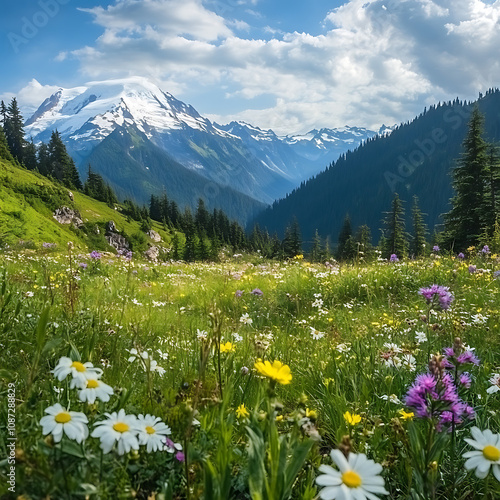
<point>30,156</point>
<point>43,159</point>
<point>344,235</point>
<point>396,241</point>
<point>175,246</point>
<point>4,147</point>
<point>292,242</point>
<point>14,131</point>
<point>467,218</point>
<point>61,165</point>
<point>418,241</point>
<point>363,241</point>
<point>316,249</point>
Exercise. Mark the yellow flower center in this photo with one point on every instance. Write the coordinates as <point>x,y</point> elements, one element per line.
<point>491,453</point>
<point>92,384</point>
<point>79,367</point>
<point>62,418</point>
<point>351,479</point>
<point>150,430</point>
<point>121,427</point>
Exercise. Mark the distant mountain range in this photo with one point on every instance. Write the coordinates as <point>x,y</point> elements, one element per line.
<point>416,158</point>
<point>143,141</point>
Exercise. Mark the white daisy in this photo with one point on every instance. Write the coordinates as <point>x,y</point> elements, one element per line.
<point>486,453</point>
<point>59,421</point>
<point>154,367</point>
<point>495,384</point>
<point>94,389</point>
<point>316,335</point>
<point>152,432</point>
<point>409,362</point>
<point>393,347</point>
<point>201,334</point>
<point>80,371</point>
<point>392,398</point>
<point>246,319</point>
<point>358,478</point>
<point>119,428</point>
<point>420,337</point>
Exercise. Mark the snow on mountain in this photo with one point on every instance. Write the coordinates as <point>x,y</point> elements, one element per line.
<point>90,113</point>
<point>253,161</point>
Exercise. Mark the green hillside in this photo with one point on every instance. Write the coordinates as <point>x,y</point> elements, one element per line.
<point>27,204</point>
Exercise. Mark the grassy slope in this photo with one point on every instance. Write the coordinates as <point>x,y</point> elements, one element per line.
<point>27,202</point>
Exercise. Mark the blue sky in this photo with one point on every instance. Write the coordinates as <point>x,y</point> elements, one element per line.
<point>287,65</point>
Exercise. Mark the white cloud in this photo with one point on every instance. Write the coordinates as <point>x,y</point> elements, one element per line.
<point>375,62</point>
<point>30,97</point>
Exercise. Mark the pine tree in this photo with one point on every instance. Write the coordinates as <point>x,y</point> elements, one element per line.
<point>30,156</point>
<point>466,220</point>
<point>14,131</point>
<point>61,165</point>
<point>43,159</point>
<point>396,241</point>
<point>202,217</point>
<point>190,232</point>
<point>418,241</point>
<point>175,246</point>
<point>316,249</point>
<point>363,241</point>
<point>4,147</point>
<point>344,235</point>
<point>3,114</point>
<point>292,242</point>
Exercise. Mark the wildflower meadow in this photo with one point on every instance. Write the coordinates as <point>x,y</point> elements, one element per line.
<point>249,378</point>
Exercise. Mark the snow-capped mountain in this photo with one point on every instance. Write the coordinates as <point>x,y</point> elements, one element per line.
<point>255,162</point>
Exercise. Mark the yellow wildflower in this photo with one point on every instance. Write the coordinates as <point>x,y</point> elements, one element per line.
<point>227,347</point>
<point>276,371</point>
<point>405,415</point>
<point>242,412</point>
<point>352,419</point>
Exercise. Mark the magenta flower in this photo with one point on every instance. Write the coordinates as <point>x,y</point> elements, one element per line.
<point>95,255</point>
<point>393,258</point>
<point>257,291</point>
<point>438,293</point>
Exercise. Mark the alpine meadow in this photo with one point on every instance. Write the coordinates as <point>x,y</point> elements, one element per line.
<point>286,290</point>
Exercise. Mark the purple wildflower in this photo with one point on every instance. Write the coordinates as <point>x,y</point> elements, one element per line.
<point>461,256</point>
<point>468,357</point>
<point>437,397</point>
<point>238,293</point>
<point>393,258</point>
<point>465,380</point>
<point>180,456</point>
<point>472,269</point>
<point>496,274</point>
<point>95,255</point>
<point>485,250</point>
<point>83,265</point>
<point>441,293</point>
<point>435,248</point>
<point>257,291</point>
<point>128,255</point>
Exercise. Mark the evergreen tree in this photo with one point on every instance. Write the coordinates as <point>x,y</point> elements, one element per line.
<point>316,249</point>
<point>14,131</point>
<point>3,114</point>
<point>43,159</point>
<point>202,247</point>
<point>30,156</point>
<point>292,242</point>
<point>344,235</point>
<point>363,241</point>
<point>418,241</point>
<point>4,147</point>
<point>467,218</point>
<point>202,217</point>
<point>396,241</point>
<point>61,166</point>
<point>190,233</point>
<point>175,246</point>
<point>155,208</point>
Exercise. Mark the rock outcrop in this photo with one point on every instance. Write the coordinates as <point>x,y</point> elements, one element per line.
<point>66,215</point>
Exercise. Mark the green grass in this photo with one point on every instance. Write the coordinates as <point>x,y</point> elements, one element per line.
<point>100,313</point>
<point>27,203</point>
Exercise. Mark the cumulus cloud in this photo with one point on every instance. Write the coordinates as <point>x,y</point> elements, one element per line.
<point>31,96</point>
<point>375,62</point>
